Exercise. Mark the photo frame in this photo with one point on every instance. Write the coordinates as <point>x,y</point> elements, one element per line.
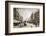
<point>24,17</point>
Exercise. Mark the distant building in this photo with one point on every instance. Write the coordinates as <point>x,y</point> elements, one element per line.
<point>34,18</point>
<point>17,16</point>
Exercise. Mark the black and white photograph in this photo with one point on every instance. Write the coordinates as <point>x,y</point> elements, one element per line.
<point>24,17</point>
